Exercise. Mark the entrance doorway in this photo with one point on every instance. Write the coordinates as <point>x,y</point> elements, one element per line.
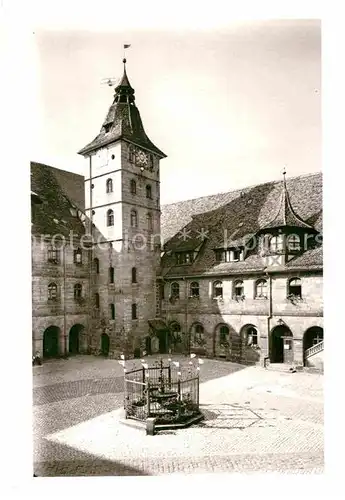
<point>311,337</point>
<point>74,339</point>
<point>148,348</point>
<point>281,345</point>
<point>163,341</point>
<point>105,344</point>
<point>51,342</point>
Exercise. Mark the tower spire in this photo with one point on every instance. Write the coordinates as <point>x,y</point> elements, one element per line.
<point>286,216</point>
<point>123,119</point>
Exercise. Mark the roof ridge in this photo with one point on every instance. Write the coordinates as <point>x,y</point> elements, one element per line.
<point>55,168</point>
<point>241,189</point>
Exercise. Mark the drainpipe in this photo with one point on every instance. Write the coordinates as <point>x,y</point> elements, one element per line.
<point>89,308</point>
<point>269,317</point>
<point>64,297</point>
<point>186,314</point>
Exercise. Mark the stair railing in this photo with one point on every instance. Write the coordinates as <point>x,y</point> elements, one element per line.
<point>313,349</point>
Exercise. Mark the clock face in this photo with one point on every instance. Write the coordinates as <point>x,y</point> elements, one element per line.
<point>142,158</point>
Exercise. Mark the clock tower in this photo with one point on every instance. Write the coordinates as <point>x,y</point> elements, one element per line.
<point>122,203</point>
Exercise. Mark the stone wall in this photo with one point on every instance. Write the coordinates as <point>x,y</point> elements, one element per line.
<point>65,311</point>
<point>136,247</point>
<point>211,313</point>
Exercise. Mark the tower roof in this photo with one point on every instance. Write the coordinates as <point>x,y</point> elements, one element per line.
<point>286,216</point>
<point>123,121</point>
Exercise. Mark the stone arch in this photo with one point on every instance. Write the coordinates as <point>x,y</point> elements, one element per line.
<point>249,334</point>
<point>197,338</point>
<point>174,335</point>
<point>74,339</point>
<point>249,343</point>
<point>51,341</point>
<point>222,339</point>
<point>312,336</point>
<point>281,344</point>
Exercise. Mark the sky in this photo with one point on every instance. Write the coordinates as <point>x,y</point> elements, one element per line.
<point>230,106</point>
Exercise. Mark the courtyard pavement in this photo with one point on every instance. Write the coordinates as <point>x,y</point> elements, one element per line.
<point>256,420</point>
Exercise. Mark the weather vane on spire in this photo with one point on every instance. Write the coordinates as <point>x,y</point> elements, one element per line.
<point>125,46</point>
<point>111,81</point>
<point>284,171</point>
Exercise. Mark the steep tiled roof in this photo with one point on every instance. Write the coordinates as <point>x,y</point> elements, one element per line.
<point>233,218</point>
<point>123,121</point>
<point>72,184</point>
<point>54,215</point>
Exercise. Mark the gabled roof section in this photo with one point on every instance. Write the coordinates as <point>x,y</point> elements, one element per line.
<point>286,216</point>
<point>54,215</point>
<point>233,219</point>
<point>123,121</point>
<point>72,184</point>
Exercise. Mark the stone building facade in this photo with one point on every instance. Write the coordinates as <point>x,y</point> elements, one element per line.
<point>236,275</point>
<point>60,268</point>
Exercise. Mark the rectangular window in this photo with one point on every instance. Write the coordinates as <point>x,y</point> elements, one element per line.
<point>184,258</point>
<point>236,255</point>
<point>53,255</point>
<point>220,256</point>
<point>78,257</point>
<point>134,311</point>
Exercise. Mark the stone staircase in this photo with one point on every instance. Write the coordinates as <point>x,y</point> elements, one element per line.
<point>315,349</point>
<point>313,357</point>
<point>313,361</point>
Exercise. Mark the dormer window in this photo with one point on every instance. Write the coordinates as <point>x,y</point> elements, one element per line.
<point>229,255</point>
<point>184,258</point>
<point>294,242</point>
<point>220,256</point>
<point>235,255</point>
<point>277,244</point>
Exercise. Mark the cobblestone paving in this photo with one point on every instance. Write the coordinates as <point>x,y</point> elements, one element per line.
<point>255,420</point>
<point>286,463</point>
<point>76,389</point>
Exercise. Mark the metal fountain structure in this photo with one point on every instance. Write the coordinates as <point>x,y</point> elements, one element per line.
<point>162,396</point>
